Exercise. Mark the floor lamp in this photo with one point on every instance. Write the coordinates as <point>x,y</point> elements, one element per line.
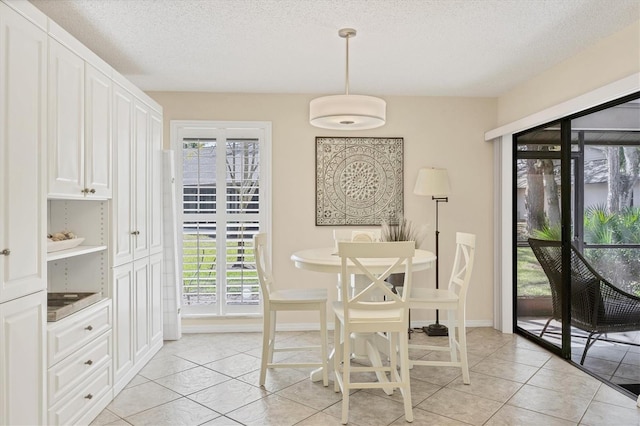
<point>434,182</point>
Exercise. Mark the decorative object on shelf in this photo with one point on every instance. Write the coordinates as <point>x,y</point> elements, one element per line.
<point>62,241</point>
<point>60,305</point>
<point>347,112</point>
<point>359,181</point>
<point>434,182</point>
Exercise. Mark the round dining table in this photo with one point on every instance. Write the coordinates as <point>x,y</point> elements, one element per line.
<point>326,259</point>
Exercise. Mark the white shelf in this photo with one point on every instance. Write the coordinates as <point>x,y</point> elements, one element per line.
<point>72,252</point>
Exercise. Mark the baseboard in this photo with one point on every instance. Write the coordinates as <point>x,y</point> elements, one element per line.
<point>220,327</point>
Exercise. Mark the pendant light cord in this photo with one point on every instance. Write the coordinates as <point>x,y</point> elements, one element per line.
<point>346,80</point>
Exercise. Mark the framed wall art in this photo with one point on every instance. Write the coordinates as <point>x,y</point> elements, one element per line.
<point>359,180</point>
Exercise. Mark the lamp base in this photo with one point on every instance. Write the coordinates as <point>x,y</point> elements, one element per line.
<point>436,330</point>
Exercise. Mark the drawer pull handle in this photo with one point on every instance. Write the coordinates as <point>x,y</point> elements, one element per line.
<point>5,252</point>
<point>135,233</point>
<point>88,328</point>
<point>89,362</point>
<point>89,396</point>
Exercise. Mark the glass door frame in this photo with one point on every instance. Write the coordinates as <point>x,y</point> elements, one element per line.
<point>566,158</point>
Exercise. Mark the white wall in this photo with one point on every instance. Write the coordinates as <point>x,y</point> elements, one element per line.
<point>603,72</point>
<point>442,132</point>
<point>611,59</point>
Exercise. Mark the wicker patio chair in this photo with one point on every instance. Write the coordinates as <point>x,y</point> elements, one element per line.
<point>597,306</point>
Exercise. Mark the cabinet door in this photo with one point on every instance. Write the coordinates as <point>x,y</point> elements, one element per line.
<point>22,360</point>
<point>122,247</point>
<point>23,100</point>
<point>123,323</point>
<point>97,157</point>
<point>155,184</point>
<point>140,189</point>
<point>155,299</point>
<point>66,123</point>
<point>142,292</point>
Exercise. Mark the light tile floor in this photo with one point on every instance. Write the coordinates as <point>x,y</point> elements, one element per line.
<point>211,379</point>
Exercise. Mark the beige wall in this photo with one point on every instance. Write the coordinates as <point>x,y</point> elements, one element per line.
<point>442,132</point>
<point>609,60</point>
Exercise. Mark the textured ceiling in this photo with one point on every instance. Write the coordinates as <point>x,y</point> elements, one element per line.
<point>403,47</point>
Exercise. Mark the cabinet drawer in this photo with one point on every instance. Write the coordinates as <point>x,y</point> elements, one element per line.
<point>78,366</point>
<point>71,333</point>
<point>82,398</point>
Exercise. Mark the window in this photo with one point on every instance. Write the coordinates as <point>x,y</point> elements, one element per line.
<point>223,189</point>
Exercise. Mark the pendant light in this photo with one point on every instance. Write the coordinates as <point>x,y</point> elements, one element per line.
<point>347,112</point>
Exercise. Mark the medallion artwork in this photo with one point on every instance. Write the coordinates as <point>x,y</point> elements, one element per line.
<point>358,180</point>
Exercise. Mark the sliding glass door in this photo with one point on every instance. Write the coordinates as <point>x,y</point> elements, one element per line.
<point>577,239</point>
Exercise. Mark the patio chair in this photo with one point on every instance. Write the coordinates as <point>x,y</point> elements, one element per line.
<point>597,306</point>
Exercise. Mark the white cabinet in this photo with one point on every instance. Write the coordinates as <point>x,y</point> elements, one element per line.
<point>23,102</point>
<point>79,127</point>
<point>123,323</point>
<point>80,368</point>
<point>137,296</point>
<point>155,299</point>
<point>155,184</point>
<point>98,141</point>
<point>137,201</point>
<point>142,294</point>
<point>140,180</point>
<point>122,238</point>
<point>23,98</point>
<point>22,360</point>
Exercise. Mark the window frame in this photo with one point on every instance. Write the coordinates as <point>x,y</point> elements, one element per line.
<point>221,131</point>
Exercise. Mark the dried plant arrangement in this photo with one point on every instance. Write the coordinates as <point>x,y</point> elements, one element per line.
<point>403,230</point>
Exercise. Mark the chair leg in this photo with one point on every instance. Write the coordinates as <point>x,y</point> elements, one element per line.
<point>404,377</point>
<point>324,344</point>
<point>394,347</point>
<point>337,353</point>
<point>588,345</point>
<point>452,335</point>
<point>462,342</point>
<point>545,326</point>
<point>272,333</point>
<point>346,377</point>
<point>266,343</point>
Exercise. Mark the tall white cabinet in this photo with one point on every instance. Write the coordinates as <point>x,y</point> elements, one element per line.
<point>23,97</point>
<point>136,237</point>
<point>80,150</point>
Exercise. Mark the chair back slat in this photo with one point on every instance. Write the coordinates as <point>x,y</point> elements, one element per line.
<point>395,255</point>
<point>263,265</point>
<point>462,264</point>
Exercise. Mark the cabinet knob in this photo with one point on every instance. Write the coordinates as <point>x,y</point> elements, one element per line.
<point>89,396</point>
<point>5,252</point>
<point>135,233</point>
<point>85,190</point>
<point>88,328</point>
<point>93,191</point>
<point>89,362</point>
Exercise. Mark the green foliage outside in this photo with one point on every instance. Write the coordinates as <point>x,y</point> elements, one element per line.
<point>199,270</point>
<point>621,266</point>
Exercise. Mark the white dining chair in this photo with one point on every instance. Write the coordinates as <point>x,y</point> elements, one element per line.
<point>453,300</point>
<point>298,299</point>
<point>364,311</point>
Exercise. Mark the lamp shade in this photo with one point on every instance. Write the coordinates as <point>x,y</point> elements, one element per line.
<point>347,112</point>
<point>433,182</point>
